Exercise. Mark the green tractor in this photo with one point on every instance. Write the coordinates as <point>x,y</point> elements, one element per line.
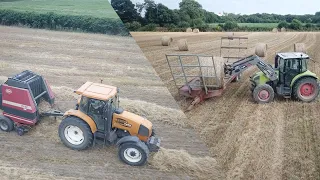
<point>290,78</point>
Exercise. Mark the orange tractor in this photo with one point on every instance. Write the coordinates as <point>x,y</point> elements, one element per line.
<point>99,117</point>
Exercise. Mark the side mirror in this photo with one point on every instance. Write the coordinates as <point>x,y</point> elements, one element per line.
<point>119,111</point>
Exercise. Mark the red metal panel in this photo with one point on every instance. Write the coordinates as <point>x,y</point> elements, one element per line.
<point>20,120</point>
<point>17,98</point>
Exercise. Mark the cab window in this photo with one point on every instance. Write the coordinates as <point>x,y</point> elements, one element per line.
<point>84,104</point>
<point>281,64</point>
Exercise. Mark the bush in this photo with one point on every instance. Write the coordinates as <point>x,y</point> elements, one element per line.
<point>149,27</point>
<point>283,24</point>
<point>55,21</point>
<point>230,25</point>
<point>183,24</point>
<point>133,26</point>
<point>296,25</point>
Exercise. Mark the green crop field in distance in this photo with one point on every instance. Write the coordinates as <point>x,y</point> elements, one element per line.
<point>268,25</point>
<point>95,8</point>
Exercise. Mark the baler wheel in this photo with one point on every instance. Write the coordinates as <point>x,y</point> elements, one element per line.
<point>6,124</point>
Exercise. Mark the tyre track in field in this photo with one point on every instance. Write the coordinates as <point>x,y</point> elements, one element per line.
<point>301,137</point>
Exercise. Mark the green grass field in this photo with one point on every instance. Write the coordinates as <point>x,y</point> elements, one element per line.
<point>268,25</point>
<point>95,8</point>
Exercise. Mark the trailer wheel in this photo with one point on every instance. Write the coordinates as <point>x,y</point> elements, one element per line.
<point>6,124</point>
<point>263,93</point>
<point>20,131</point>
<point>133,153</point>
<point>75,133</point>
<point>306,89</point>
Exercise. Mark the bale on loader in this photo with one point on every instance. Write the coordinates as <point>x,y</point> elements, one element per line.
<point>300,47</point>
<point>283,29</point>
<point>183,45</point>
<point>215,71</point>
<point>189,30</point>
<point>261,49</point>
<point>196,30</point>
<point>165,40</point>
<point>275,30</point>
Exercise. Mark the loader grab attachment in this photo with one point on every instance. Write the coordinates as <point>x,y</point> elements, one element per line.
<point>241,65</point>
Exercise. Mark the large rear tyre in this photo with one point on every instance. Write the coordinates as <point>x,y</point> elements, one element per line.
<point>263,93</point>
<point>133,153</point>
<point>6,124</point>
<point>306,89</point>
<point>75,133</point>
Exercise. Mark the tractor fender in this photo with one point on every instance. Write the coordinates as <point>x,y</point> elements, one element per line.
<point>128,139</point>
<point>294,80</point>
<point>84,117</point>
<point>134,139</point>
<point>302,75</point>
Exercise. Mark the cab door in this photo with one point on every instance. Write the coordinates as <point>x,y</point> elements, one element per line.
<point>95,111</point>
<point>293,68</point>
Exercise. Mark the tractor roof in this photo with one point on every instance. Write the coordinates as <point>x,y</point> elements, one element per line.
<point>293,55</point>
<point>97,91</point>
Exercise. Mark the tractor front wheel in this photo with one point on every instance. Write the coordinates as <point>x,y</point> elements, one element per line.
<point>306,89</point>
<point>133,153</point>
<point>75,133</point>
<point>263,93</point>
<point>6,124</point>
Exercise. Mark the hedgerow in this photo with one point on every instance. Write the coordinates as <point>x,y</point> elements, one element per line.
<point>55,21</point>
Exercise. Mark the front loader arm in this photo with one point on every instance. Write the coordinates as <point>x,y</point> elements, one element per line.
<point>241,65</point>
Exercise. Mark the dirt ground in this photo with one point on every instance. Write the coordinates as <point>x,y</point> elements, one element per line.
<point>279,140</point>
<point>67,60</point>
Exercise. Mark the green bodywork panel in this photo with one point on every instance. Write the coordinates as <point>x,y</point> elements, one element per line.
<point>260,78</point>
<point>307,73</point>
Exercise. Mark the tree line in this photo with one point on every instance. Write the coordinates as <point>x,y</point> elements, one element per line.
<point>149,16</point>
<point>55,21</point>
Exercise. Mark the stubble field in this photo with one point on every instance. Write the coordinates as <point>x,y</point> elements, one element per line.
<point>67,60</point>
<point>279,140</point>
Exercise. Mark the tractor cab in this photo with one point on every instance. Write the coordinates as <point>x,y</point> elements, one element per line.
<point>99,102</point>
<point>289,65</point>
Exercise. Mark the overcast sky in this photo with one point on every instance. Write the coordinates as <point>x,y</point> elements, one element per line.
<point>252,6</point>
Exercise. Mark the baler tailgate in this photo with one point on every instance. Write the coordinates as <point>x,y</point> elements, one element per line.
<point>36,85</point>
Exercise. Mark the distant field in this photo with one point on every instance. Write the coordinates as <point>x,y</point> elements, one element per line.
<point>272,25</point>
<point>95,8</point>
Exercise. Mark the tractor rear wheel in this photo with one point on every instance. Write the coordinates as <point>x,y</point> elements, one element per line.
<point>133,153</point>
<point>306,89</point>
<point>6,124</point>
<point>75,133</point>
<point>263,93</point>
